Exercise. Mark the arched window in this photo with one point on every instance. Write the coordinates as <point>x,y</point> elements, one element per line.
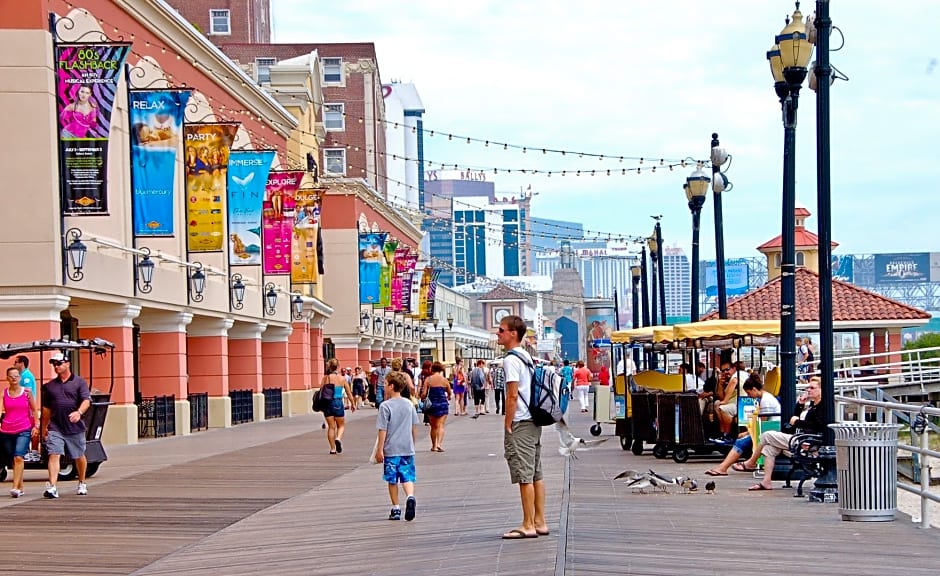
<point>800,259</point>
<point>777,259</point>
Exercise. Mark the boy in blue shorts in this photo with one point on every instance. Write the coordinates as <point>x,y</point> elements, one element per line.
<point>398,429</point>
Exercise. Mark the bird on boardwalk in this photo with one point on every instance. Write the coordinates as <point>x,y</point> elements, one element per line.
<point>710,487</point>
<point>570,442</point>
<point>687,484</point>
<point>640,481</point>
<point>661,481</point>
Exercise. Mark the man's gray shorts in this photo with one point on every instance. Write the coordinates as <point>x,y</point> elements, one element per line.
<point>58,443</point>
<point>523,452</point>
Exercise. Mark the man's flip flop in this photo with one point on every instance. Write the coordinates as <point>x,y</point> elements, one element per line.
<point>542,532</point>
<point>758,488</point>
<point>742,468</point>
<point>715,473</point>
<point>517,534</point>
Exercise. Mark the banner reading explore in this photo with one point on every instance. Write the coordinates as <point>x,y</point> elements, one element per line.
<point>86,81</point>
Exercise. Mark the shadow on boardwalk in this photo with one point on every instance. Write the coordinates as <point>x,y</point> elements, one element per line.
<point>266,498</point>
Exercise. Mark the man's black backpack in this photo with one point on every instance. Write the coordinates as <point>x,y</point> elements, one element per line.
<point>543,402</point>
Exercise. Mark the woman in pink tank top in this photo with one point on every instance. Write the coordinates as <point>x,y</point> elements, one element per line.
<point>17,426</point>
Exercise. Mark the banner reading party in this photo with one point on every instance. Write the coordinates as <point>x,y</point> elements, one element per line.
<point>207,148</point>
<point>277,220</point>
<point>247,179</point>
<point>155,120</point>
<point>372,262</point>
<point>304,264</point>
<point>87,76</point>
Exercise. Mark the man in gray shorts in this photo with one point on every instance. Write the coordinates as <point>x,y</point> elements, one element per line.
<point>522,440</point>
<point>65,399</point>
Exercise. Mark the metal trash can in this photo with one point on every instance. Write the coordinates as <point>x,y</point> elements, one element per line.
<point>867,468</point>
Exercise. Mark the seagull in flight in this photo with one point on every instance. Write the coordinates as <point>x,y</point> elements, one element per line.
<point>570,443</point>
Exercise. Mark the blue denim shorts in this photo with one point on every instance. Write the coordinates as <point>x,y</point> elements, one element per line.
<point>16,444</point>
<point>744,444</point>
<point>399,469</point>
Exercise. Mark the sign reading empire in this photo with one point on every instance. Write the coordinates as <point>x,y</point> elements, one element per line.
<point>910,267</point>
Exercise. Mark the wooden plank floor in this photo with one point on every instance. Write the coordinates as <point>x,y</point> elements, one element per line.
<point>267,498</point>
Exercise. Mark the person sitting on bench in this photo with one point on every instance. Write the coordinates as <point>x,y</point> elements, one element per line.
<point>808,419</point>
<point>767,405</point>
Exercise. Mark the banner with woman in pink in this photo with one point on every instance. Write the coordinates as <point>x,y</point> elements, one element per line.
<point>277,220</point>
<point>87,76</point>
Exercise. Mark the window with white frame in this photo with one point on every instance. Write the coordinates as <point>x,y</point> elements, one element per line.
<point>332,70</point>
<point>220,22</point>
<point>334,159</point>
<point>334,117</point>
<point>263,69</point>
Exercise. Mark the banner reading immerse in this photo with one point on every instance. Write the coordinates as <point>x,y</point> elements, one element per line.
<point>277,220</point>
<point>247,179</point>
<point>155,119</point>
<point>207,149</point>
<point>371,264</point>
<point>86,81</point>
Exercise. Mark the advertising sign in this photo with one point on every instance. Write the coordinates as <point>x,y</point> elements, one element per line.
<point>599,319</point>
<point>371,264</point>
<point>304,255</point>
<point>935,266</point>
<point>843,268</point>
<point>155,120</point>
<point>207,148</point>
<point>737,280</point>
<point>388,270</point>
<point>909,267</point>
<point>247,179</point>
<point>277,221</point>
<point>87,76</point>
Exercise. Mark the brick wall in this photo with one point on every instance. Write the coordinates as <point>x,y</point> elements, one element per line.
<point>250,19</point>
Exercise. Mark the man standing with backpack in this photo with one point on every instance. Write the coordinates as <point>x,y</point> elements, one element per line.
<point>522,440</point>
<point>478,385</point>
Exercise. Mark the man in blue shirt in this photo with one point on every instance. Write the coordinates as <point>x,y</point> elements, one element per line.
<point>27,380</point>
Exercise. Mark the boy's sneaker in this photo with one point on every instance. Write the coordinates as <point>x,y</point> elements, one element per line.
<point>82,489</point>
<point>50,491</point>
<point>16,493</point>
<point>395,514</point>
<point>410,505</point>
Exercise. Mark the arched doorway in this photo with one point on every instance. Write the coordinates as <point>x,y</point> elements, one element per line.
<point>570,344</point>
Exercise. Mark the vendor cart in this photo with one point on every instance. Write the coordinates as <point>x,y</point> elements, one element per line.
<point>94,418</point>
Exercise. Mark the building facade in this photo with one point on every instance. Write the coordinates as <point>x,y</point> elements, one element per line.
<point>678,280</point>
<point>404,141</point>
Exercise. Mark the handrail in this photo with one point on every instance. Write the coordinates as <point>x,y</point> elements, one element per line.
<point>886,410</point>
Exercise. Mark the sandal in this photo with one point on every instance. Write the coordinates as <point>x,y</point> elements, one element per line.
<point>739,467</point>
<point>715,473</point>
<point>517,534</point>
<point>758,488</point>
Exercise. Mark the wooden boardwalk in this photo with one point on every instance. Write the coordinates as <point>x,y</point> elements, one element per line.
<point>266,498</point>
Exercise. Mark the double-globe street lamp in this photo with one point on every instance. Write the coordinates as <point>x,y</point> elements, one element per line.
<point>789,58</point>
<point>450,326</point>
<point>635,273</point>
<point>719,184</point>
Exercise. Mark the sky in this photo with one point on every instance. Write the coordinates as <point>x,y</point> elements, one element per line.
<point>654,80</point>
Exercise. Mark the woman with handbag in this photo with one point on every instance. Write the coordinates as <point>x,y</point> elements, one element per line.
<point>436,393</point>
<point>333,409</point>
<point>18,425</point>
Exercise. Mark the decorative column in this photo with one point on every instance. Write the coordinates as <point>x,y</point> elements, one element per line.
<point>365,354</point>
<point>161,362</point>
<point>244,363</point>
<point>207,343</point>
<point>347,350</point>
<point>879,346</point>
<point>25,318</point>
<point>115,323</point>
<point>275,365</point>
<point>317,361</point>
<point>894,347</point>
<point>300,381</point>
<point>864,343</point>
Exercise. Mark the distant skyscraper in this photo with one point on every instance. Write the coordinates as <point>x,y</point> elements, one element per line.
<point>404,144</point>
<point>486,239</point>
<point>603,266</point>
<point>678,279</point>
<point>546,233</point>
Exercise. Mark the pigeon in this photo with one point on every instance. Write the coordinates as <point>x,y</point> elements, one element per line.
<point>570,442</point>
<point>687,484</point>
<point>710,487</point>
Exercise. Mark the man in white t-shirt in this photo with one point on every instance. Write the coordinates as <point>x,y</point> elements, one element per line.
<point>768,409</point>
<point>522,440</point>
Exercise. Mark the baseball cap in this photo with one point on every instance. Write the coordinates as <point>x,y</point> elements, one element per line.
<point>59,357</point>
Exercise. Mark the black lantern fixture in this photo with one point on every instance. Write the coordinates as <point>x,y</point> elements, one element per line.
<point>636,272</point>
<point>377,326</point>
<point>144,274</point>
<point>408,332</point>
<point>297,304</point>
<point>197,283</point>
<point>389,327</point>
<point>654,283</point>
<point>696,188</point>
<point>270,299</point>
<point>238,292</point>
<point>364,322</point>
<point>399,329</point>
<point>75,253</point>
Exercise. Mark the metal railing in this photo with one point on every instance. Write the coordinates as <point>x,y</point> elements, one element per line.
<point>243,409</point>
<point>156,416</point>
<point>917,419</point>
<point>916,371</point>
<point>198,411</point>
<point>273,407</point>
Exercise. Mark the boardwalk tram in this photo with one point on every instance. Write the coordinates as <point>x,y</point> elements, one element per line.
<point>96,351</point>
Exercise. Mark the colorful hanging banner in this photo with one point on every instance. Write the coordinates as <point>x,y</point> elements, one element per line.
<point>87,76</point>
<point>385,280</point>
<point>423,293</point>
<point>277,220</point>
<point>405,262</point>
<point>372,262</point>
<point>207,148</point>
<point>432,292</point>
<point>247,179</point>
<point>304,264</point>
<point>155,120</point>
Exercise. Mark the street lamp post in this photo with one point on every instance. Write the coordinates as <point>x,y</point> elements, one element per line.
<point>788,60</point>
<point>658,234</point>
<point>719,185</point>
<point>654,280</point>
<point>635,273</point>
<point>649,360</point>
<point>450,326</point>
<point>696,188</point>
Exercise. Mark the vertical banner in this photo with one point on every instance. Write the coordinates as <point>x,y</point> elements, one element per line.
<point>207,148</point>
<point>388,270</point>
<point>423,289</point>
<point>432,292</point>
<point>277,220</point>
<point>247,179</point>
<point>86,82</point>
<point>304,255</point>
<point>155,120</point>
<point>409,261</point>
<point>371,263</point>
<point>399,268</point>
